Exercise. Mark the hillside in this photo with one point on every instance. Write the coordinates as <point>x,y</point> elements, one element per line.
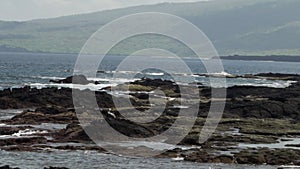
<point>251,27</point>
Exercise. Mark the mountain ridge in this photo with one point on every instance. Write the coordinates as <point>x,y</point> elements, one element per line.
<point>234,26</point>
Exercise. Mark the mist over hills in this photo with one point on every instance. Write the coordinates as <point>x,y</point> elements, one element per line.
<point>251,27</point>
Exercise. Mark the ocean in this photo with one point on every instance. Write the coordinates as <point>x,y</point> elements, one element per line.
<point>36,69</point>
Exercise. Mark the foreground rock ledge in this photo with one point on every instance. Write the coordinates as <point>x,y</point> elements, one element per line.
<point>252,115</point>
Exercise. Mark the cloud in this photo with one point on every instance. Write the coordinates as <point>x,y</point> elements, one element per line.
<point>33,9</point>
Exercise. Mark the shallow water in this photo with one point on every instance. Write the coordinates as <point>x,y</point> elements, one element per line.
<point>7,114</point>
<point>280,145</point>
<point>89,159</point>
<point>19,69</point>
<point>152,145</point>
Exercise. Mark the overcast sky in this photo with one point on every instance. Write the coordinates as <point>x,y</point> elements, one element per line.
<point>20,10</point>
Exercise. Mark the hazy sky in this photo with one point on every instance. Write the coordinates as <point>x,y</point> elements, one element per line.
<point>19,10</point>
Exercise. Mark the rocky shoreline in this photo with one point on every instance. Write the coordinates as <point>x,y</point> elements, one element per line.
<point>252,116</point>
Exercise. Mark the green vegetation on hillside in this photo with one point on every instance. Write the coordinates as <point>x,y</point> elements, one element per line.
<point>234,26</point>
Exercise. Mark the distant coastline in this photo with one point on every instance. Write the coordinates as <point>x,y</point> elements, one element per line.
<point>7,49</point>
<point>277,58</point>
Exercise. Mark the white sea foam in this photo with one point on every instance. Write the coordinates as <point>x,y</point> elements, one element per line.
<point>220,74</point>
<point>150,144</point>
<point>281,144</point>
<point>113,80</point>
<point>133,72</point>
<point>24,133</point>
<point>119,72</point>
<point>108,82</point>
<point>90,86</point>
<point>180,107</point>
<point>28,132</point>
<point>289,167</point>
<point>274,84</point>
<point>177,159</point>
<point>127,72</point>
<point>155,74</point>
<point>49,77</point>
<point>99,79</point>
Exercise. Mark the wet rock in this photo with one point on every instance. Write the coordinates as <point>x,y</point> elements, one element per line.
<point>165,85</point>
<point>292,145</point>
<point>199,156</point>
<point>129,128</point>
<point>30,98</point>
<point>242,101</point>
<point>84,148</point>
<point>19,148</point>
<point>142,96</point>
<point>251,159</point>
<point>22,141</point>
<point>153,82</point>
<point>224,159</point>
<point>248,109</point>
<point>268,156</point>
<point>55,167</point>
<point>10,130</point>
<point>35,117</point>
<point>51,110</point>
<point>191,139</point>
<point>76,79</point>
<point>75,132</point>
<point>174,153</point>
<point>8,167</point>
<point>279,76</point>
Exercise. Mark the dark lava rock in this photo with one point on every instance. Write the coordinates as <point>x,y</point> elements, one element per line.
<point>197,155</point>
<point>23,141</point>
<point>251,159</point>
<point>76,79</point>
<point>223,159</point>
<point>142,96</point>
<point>19,148</point>
<point>268,156</point>
<point>75,132</point>
<point>279,76</point>
<point>292,145</point>
<point>84,148</point>
<point>258,102</point>
<point>36,117</point>
<point>8,167</point>
<point>9,130</point>
<point>55,167</point>
<point>200,156</point>
<point>242,101</point>
<point>51,110</point>
<point>128,128</point>
<point>29,98</point>
<point>158,83</point>
<point>153,82</point>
